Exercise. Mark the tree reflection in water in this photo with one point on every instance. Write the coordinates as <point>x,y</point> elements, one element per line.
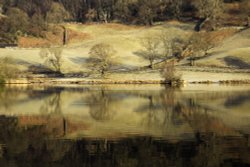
<point>31,147</point>
<point>213,144</point>
<point>7,96</point>
<point>163,110</point>
<point>52,103</point>
<point>99,103</point>
<point>52,107</point>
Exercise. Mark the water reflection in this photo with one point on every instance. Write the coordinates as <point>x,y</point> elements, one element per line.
<point>52,104</point>
<point>7,98</point>
<point>124,126</point>
<point>99,103</point>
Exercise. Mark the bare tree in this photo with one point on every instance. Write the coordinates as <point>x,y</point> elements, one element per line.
<point>173,44</point>
<point>53,58</point>
<point>101,58</point>
<point>202,42</point>
<point>151,46</point>
<point>180,47</point>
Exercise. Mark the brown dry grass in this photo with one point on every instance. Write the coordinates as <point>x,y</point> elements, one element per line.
<point>220,35</point>
<point>120,27</point>
<point>26,42</point>
<point>75,36</point>
<point>53,37</point>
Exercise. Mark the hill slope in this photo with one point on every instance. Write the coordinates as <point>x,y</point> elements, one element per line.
<point>234,52</point>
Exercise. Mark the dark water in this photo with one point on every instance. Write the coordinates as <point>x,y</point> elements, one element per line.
<point>154,126</point>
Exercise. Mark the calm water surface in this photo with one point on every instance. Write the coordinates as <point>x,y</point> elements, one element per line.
<point>127,126</point>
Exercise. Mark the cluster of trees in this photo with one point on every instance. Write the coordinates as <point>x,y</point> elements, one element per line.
<point>156,49</point>
<point>101,58</point>
<point>33,16</point>
<point>29,17</point>
<point>161,47</point>
<point>126,11</point>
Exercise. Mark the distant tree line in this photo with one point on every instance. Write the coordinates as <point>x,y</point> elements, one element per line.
<point>32,17</point>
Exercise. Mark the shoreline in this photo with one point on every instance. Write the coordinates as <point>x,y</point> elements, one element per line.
<point>188,75</point>
<point>81,81</point>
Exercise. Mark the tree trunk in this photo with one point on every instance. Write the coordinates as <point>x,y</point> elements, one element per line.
<point>102,72</point>
<point>200,23</point>
<point>64,127</point>
<point>151,66</point>
<point>192,62</point>
<point>248,21</point>
<point>151,22</point>
<point>65,36</point>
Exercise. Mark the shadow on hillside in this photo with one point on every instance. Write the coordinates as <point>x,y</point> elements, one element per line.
<point>114,66</point>
<point>41,69</point>
<point>22,62</point>
<point>79,60</point>
<point>147,55</point>
<point>232,61</point>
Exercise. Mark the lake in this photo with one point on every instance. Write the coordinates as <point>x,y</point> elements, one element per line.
<point>127,126</point>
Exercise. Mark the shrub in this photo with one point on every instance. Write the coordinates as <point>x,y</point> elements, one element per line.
<point>8,69</point>
<point>169,73</point>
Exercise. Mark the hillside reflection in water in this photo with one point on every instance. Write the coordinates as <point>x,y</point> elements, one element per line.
<point>125,126</point>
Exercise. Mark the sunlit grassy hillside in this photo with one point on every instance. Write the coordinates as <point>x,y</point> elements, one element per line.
<point>232,51</point>
<point>126,40</point>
